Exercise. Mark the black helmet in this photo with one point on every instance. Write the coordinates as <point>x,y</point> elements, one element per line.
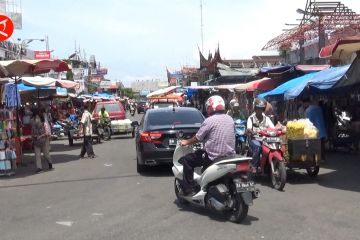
<point>260,103</point>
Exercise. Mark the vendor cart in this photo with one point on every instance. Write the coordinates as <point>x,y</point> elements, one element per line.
<point>304,154</point>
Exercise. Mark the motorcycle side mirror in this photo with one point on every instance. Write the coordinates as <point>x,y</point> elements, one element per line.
<point>135,124</point>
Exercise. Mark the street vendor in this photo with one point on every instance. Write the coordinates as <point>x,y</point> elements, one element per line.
<point>315,114</point>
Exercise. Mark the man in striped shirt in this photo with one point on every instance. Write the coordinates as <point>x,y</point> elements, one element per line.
<point>218,135</point>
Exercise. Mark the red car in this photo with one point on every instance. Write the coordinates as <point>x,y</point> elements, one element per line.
<point>114,108</point>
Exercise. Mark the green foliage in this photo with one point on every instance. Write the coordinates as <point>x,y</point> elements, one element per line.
<point>92,88</point>
<point>127,92</point>
<point>69,75</point>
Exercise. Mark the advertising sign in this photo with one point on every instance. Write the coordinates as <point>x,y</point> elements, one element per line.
<point>42,54</point>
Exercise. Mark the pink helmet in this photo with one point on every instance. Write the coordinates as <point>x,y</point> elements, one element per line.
<point>214,104</point>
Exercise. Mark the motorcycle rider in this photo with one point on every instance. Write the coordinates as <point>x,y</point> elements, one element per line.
<point>103,115</point>
<point>255,123</point>
<point>235,111</point>
<point>217,133</point>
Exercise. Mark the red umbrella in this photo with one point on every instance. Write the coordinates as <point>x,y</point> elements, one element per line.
<point>17,68</point>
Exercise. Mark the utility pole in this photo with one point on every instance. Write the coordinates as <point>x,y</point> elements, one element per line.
<point>202,26</point>
<point>47,43</point>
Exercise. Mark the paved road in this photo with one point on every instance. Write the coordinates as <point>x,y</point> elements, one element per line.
<point>104,198</point>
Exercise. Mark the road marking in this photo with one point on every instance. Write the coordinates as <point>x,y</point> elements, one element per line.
<point>65,223</point>
<point>97,214</point>
<point>48,207</point>
<point>107,164</point>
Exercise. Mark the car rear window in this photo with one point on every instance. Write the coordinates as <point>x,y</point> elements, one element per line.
<point>174,118</point>
<point>109,107</point>
<point>163,105</point>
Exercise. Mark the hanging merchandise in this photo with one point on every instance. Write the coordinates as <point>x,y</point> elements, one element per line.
<point>12,96</point>
<point>9,149</point>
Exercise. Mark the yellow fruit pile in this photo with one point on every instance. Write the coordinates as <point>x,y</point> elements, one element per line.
<point>295,129</point>
<point>300,129</point>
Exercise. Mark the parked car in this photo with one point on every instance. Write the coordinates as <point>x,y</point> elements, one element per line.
<point>142,107</point>
<point>156,134</point>
<point>119,123</point>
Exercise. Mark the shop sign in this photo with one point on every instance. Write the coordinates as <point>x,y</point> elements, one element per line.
<point>42,54</point>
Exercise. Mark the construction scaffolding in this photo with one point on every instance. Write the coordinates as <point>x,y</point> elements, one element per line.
<point>334,20</point>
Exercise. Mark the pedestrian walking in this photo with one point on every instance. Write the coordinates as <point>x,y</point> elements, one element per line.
<point>39,139</point>
<point>86,129</point>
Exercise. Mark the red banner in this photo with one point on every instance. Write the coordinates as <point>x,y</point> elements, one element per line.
<point>42,54</point>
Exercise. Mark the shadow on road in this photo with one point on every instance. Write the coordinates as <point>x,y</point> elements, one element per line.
<point>206,212</point>
<point>70,181</point>
<point>157,171</point>
<point>341,171</point>
<point>345,174</point>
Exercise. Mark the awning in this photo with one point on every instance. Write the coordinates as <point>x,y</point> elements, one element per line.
<point>263,84</point>
<point>311,68</point>
<point>162,92</point>
<point>319,82</point>
<point>229,87</point>
<point>343,48</point>
<point>40,82</point>
<point>13,68</point>
<point>283,88</point>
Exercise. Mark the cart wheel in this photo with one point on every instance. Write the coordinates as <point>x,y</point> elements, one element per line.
<point>313,171</point>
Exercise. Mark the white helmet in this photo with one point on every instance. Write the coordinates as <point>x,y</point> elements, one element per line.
<point>214,104</point>
<point>234,103</point>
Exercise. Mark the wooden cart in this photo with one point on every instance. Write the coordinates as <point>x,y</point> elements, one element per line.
<point>304,154</point>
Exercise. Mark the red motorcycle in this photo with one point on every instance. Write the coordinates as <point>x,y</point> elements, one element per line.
<point>272,157</point>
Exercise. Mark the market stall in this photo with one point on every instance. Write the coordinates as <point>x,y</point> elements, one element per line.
<point>15,69</point>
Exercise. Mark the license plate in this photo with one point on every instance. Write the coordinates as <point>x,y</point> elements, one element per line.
<point>273,139</point>
<point>172,142</point>
<point>245,186</point>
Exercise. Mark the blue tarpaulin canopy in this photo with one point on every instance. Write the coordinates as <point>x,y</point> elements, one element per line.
<point>319,82</point>
<point>22,87</point>
<point>309,83</point>
<point>285,87</point>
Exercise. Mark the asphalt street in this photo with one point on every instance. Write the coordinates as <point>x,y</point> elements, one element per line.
<point>105,198</point>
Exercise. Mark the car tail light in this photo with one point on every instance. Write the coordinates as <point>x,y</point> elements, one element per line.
<point>151,137</point>
<point>243,167</point>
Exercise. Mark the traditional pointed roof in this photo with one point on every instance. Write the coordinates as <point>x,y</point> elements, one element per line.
<point>203,61</point>
<point>209,56</point>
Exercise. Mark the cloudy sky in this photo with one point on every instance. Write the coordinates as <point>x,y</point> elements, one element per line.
<point>137,39</point>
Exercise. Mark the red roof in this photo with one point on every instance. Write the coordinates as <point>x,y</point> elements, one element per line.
<point>351,44</point>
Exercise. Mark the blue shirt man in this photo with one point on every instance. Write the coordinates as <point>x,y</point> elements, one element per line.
<point>315,114</point>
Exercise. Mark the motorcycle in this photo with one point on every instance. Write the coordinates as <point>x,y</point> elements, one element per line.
<point>107,130</point>
<point>132,110</point>
<point>240,136</point>
<point>224,187</point>
<point>58,129</point>
<point>72,129</point>
<point>272,159</point>
<point>103,130</point>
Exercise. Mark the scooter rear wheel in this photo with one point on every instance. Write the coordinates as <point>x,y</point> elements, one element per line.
<point>180,199</point>
<point>239,211</point>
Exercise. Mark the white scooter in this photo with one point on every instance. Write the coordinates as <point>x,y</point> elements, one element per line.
<point>225,186</point>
